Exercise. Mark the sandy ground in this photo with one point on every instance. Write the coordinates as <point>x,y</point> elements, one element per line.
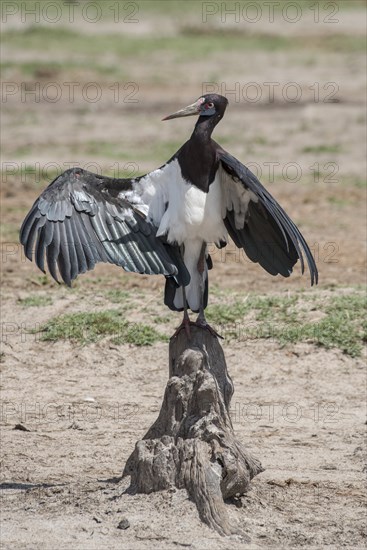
<point>299,408</point>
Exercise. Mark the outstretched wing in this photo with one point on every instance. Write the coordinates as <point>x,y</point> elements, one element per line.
<point>84,218</point>
<point>258,224</point>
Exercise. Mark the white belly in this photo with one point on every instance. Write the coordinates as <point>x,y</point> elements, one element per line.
<point>193,214</point>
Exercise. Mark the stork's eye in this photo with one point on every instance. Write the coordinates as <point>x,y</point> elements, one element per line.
<point>209,105</point>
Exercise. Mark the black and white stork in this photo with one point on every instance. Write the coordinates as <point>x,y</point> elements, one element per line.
<point>161,223</point>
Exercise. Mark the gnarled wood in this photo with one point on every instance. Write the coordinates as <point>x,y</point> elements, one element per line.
<point>192,444</point>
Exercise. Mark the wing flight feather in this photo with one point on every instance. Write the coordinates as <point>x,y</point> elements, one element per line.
<point>258,224</point>
<point>83,218</point>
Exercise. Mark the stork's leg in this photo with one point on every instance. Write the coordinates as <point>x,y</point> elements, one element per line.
<point>201,320</point>
<point>201,266</point>
<point>186,319</point>
<point>186,323</point>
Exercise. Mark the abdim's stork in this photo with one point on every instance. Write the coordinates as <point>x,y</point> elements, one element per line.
<point>161,223</point>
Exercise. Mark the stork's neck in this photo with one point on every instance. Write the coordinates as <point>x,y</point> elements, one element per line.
<point>204,128</point>
<point>197,157</point>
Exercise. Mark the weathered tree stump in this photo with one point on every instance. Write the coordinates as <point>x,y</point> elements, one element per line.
<point>192,445</point>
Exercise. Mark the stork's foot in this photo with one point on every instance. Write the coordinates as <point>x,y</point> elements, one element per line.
<point>203,324</point>
<point>186,323</point>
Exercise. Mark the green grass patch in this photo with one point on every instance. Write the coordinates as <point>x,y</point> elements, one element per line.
<point>228,313</point>
<point>104,149</point>
<point>319,149</point>
<point>344,43</point>
<point>156,150</point>
<point>9,232</point>
<point>140,335</point>
<point>339,202</point>
<point>35,301</point>
<point>355,181</point>
<point>343,327</point>
<point>86,327</point>
<point>42,280</point>
<point>260,140</point>
<point>117,296</point>
<point>342,322</point>
<point>45,70</point>
<point>202,40</point>
<point>264,308</point>
<point>162,319</point>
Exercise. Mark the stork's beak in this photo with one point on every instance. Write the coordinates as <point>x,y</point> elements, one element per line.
<point>190,110</point>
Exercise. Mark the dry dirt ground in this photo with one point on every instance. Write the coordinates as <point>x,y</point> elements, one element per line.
<point>299,408</point>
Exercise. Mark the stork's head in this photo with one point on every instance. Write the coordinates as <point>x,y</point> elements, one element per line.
<point>208,105</point>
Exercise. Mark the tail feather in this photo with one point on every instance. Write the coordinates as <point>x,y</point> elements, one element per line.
<point>173,295</point>
<point>170,292</point>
